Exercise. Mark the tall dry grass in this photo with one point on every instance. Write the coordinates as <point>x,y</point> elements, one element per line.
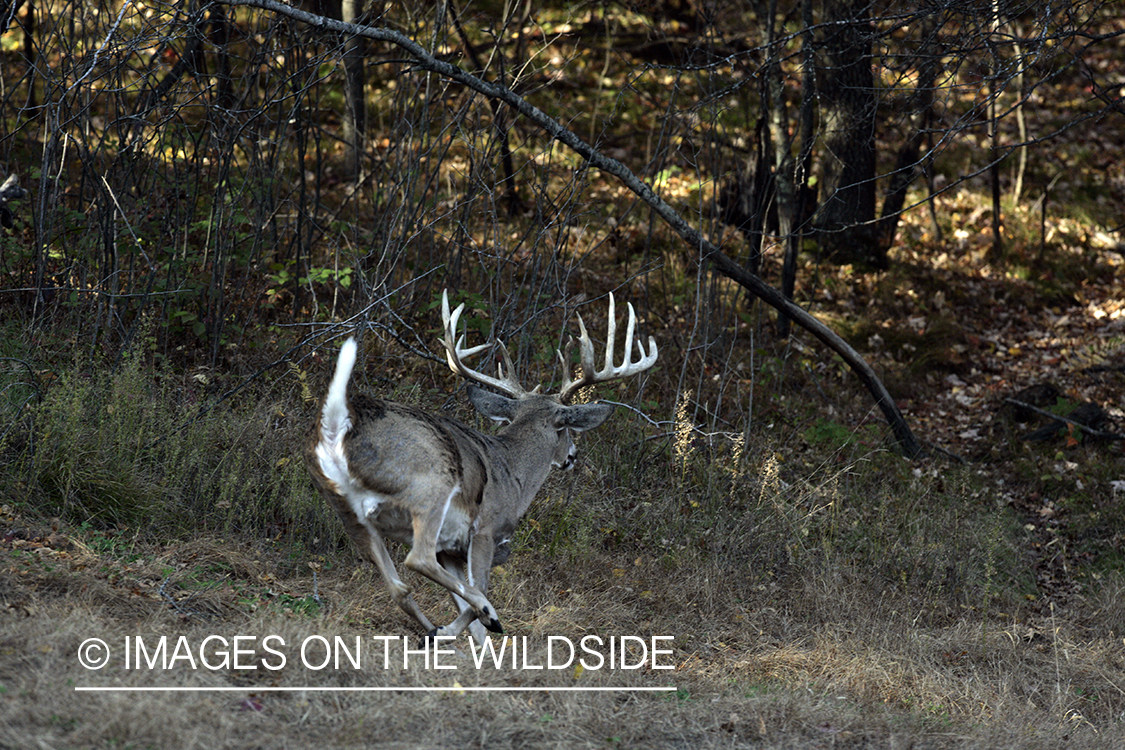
<point>821,595</point>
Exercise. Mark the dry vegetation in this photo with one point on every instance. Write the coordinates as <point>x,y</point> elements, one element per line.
<point>821,592</point>
<point>826,663</point>
<point>864,602</point>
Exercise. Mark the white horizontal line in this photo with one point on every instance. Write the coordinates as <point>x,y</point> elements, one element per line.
<point>405,689</point>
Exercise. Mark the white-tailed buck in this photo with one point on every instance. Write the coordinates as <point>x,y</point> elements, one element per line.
<point>450,492</point>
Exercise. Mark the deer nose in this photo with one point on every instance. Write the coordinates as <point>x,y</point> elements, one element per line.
<point>568,462</point>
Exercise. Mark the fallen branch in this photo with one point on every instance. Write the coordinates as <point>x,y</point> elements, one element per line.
<point>1058,422</point>
<point>708,251</point>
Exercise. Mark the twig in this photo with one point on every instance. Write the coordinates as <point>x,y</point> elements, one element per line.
<point>332,332</point>
<point>1086,429</point>
<point>176,605</point>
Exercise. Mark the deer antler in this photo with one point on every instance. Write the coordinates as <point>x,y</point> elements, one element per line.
<point>455,354</point>
<point>590,373</point>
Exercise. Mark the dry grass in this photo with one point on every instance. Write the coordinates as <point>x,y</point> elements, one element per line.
<point>815,657</point>
<point>831,596</point>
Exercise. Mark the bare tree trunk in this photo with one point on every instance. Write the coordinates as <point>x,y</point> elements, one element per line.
<point>906,166</point>
<point>1021,117</point>
<point>785,175</point>
<point>801,172</point>
<point>220,37</point>
<point>747,201</point>
<point>355,116</point>
<point>845,220</point>
<point>996,253</point>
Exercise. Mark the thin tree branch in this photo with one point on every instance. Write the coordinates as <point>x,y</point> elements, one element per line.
<point>708,251</point>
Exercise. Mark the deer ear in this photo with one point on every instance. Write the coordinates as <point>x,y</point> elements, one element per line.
<point>497,408</point>
<point>583,416</point>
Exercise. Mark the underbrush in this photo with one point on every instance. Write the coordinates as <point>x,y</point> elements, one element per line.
<point>819,590</point>
<point>133,451</point>
<point>134,447</point>
<point>865,521</point>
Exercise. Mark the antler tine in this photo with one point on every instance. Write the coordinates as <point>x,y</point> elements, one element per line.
<point>610,339</point>
<point>630,367</point>
<point>585,355</point>
<point>455,352</point>
<point>609,371</point>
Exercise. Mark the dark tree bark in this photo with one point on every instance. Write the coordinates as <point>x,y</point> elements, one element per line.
<point>909,156</point>
<point>786,189</point>
<point>355,116</point>
<point>845,221</point>
<point>803,203</point>
<point>747,201</point>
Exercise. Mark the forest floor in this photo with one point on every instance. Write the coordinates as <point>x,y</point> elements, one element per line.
<point>819,652</point>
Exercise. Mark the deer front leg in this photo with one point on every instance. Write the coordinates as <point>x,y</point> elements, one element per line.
<point>423,559</point>
<point>456,566</point>
<point>479,558</point>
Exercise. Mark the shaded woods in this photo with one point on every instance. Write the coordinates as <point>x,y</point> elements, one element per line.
<point>200,200</point>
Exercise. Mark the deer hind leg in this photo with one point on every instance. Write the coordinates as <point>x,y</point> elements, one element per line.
<point>423,559</point>
<point>400,591</point>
